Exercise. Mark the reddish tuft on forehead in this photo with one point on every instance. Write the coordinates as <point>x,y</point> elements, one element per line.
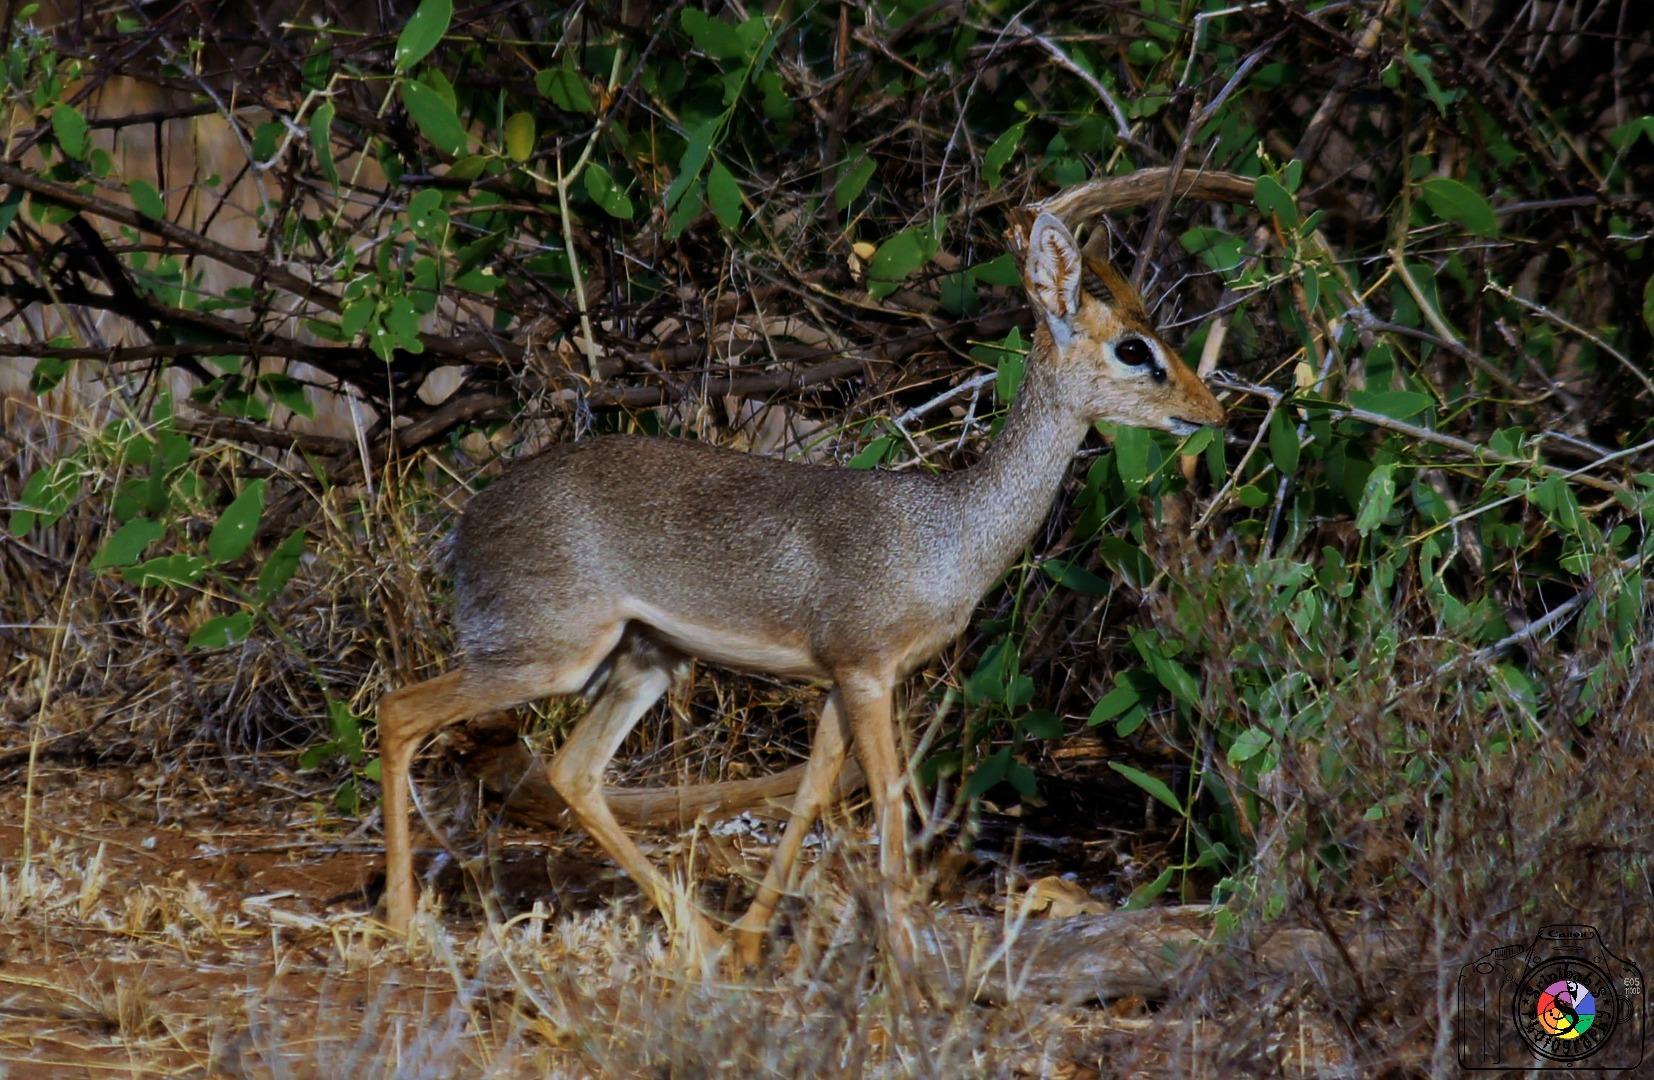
<point>1107,284</point>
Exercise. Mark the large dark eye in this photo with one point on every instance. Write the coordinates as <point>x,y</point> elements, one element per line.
<point>1134,351</point>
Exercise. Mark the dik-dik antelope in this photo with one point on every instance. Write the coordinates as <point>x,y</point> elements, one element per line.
<point>605,562</point>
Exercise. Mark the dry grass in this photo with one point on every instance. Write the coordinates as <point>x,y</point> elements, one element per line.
<point>1428,776</point>
<point>180,909</point>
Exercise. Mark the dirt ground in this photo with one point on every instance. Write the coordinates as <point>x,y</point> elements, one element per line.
<point>161,924</point>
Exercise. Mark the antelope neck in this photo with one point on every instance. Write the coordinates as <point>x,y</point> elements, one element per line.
<point>1004,498</point>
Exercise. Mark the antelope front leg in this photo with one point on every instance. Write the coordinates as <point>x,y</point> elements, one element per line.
<point>867,700</point>
<point>815,792</point>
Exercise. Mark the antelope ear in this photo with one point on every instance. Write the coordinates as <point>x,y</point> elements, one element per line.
<point>1052,274</point>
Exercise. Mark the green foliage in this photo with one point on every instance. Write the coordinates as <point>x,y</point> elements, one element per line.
<point>519,136</point>
<point>422,32</point>
<point>724,196</point>
<point>854,172</point>
<point>435,115</point>
<point>1460,203</point>
<point>898,257</point>
<point>1150,784</point>
<point>606,193</point>
<point>69,128</point>
<point>1217,613</point>
<point>321,139</point>
<point>566,89</point>
<point>146,200</point>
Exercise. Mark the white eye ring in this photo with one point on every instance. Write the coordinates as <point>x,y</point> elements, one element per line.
<point>1139,354</point>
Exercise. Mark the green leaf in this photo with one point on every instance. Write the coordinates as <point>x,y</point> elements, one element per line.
<point>435,118</point>
<point>987,682</point>
<point>1459,203</point>
<point>1131,455</point>
<point>1144,895</point>
<point>429,221</point>
<point>483,279</point>
<point>712,36</point>
<point>1420,65</point>
<point>689,208</point>
<point>1376,498</point>
<point>146,200</point>
<point>1076,577</point>
<point>874,453</point>
<point>724,196</point>
<point>1252,742</point>
<point>321,141</point>
<point>315,756</point>
<point>1041,724</point>
<point>422,32</point>
<point>958,294</point>
<point>566,88</point>
<point>237,524</point>
<point>9,205</point>
<point>606,193</point>
<point>1151,784</point>
<point>174,570</point>
<point>1022,779</point>
<point>1009,360</point>
<point>1175,678</point>
<point>853,174</point>
<point>1557,501</point>
<point>1002,269</point>
<point>896,258</point>
<point>347,729</point>
<point>1112,704</point>
<point>1396,404</point>
<point>69,128</point>
<point>48,372</point>
<point>128,543</point>
<point>46,495</point>
<point>1000,152</point>
<point>1648,304</point>
<point>989,772</point>
<point>1283,443</point>
<point>1219,250</point>
<point>689,166</point>
<point>280,566</point>
<point>1627,133</point>
<point>1127,560</point>
<point>1274,199</point>
<point>357,314</point>
<point>519,136</point>
<point>222,631</point>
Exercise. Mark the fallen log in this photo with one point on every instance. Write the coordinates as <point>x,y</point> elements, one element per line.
<point>1149,953</point>
<point>512,772</point>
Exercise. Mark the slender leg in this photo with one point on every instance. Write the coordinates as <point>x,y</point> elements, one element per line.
<point>408,715</point>
<point>815,792</point>
<point>869,707</point>
<point>642,673</point>
<point>405,717</point>
<point>867,700</point>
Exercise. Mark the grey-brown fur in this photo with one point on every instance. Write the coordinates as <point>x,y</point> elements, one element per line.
<point>623,553</point>
<point>838,556</point>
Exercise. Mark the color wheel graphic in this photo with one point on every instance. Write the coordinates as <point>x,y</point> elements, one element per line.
<point>1566,1009</point>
